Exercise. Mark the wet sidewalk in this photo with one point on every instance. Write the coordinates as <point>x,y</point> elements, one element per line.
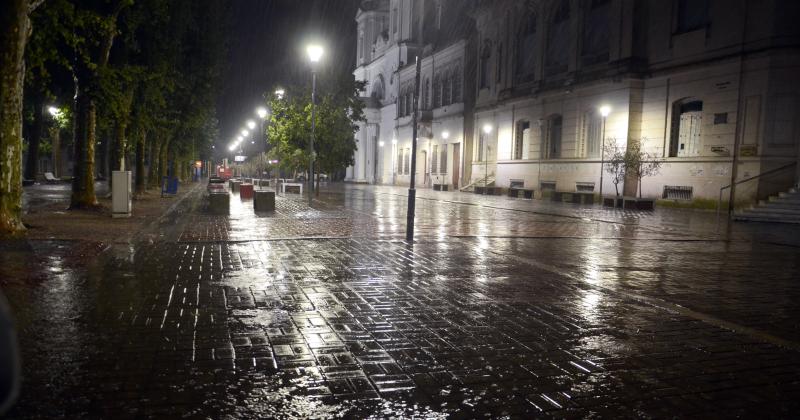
<point>501,308</point>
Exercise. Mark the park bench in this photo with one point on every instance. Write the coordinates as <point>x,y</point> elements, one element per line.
<point>50,178</point>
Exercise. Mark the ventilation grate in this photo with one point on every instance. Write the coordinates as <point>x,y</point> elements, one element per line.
<point>676,192</point>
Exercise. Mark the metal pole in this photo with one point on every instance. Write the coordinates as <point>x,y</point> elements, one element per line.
<point>313,128</point>
<point>485,163</point>
<point>602,157</point>
<point>412,193</point>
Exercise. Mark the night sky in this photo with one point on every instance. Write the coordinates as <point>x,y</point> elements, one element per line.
<point>267,48</point>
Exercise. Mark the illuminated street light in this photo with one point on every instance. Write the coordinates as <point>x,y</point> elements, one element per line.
<point>251,124</point>
<point>245,133</point>
<point>605,110</point>
<point>261,112</point>
<point>279,93</point>
<point>239,139</point>
<point>314,53</point>
<point>381,143</point>
<point>487,128</point>
<point>54,111</point>
<point>445,134</point>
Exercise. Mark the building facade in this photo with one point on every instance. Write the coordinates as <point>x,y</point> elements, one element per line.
<point>709,87</point>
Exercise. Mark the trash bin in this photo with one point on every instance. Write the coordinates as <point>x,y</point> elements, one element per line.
<point>121,194</point>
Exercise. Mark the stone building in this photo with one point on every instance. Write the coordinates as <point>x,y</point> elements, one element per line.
<point>708,86</point>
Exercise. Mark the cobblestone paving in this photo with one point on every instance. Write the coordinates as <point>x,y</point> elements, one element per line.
<point>493,312</point>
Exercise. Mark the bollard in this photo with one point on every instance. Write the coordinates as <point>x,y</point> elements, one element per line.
<point>219,203</point>
<point>264,201</point>
<point>246,191</point>
<point>235,186</point>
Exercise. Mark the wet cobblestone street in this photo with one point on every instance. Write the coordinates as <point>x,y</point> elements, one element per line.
<point>501,308</point>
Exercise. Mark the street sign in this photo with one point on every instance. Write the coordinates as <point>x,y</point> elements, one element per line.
<point>239,158</point>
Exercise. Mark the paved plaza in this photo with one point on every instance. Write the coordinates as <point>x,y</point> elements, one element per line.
<point>501,308</point>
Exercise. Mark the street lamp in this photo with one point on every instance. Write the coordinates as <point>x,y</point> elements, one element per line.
<point>446,134</point>
<point>245,133</point>
<point>279,93</point>
<point>605,110</point>
<point>314,55</point>
<point>251,124</point>
<point>487,129</point>
<point>261,112</point>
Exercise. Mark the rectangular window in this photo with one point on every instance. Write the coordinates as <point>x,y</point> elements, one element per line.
<point>408,162</point>
<point>692,14</point>
<point>481,145</point>
<point>443,160</point>
<point>435,159</point>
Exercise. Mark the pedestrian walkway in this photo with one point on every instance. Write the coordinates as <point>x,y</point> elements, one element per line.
<point>494,311</point>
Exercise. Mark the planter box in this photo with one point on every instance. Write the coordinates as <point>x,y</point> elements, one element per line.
<point>246,191</point>
<point>639,203</point>
<point>264,201</point>
<point>219,203</point>
<point>612,201</point>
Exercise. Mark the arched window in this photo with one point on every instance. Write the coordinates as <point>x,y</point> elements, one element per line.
<point>457,85</point>
<point>526,44</point>
<point>377,88</point>
<point>553,136</point>
<point>687,128</point>
<point>437,91</point>
<point>409,101</point>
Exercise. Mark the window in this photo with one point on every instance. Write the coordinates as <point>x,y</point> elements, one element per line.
<point>377,88</point>
<point>435,159</point>
<point>521,139</point>
<point>596,31</point>
<point>486,54</point>
<point>553,136</point>
<point>407,162</point>
<point>401,104</point>
<point>558,40</point>
<point>437,91</point>
<point>692,14</point>
<point>481,145</point>
<point>592,134</point>
<point>443,159</point>
<point>526,44</point>
<point>394,21</point>
<point>687,124</point>
<point>499,62</point>
<point>457,85</point>
<point>426,96</point>
<point>446,89</point>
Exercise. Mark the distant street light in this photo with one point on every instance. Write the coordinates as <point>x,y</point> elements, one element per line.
<point>261,112</point>
<point>445,134</point>
<point>279,93</point>
<point>314,55</point>
<point>605,110</point>
<point>251,124</point>
<point>245,133</point>
<point>54,111</point>
<point>487,129</point>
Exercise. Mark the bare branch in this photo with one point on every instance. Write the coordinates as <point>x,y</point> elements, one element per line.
<point>34,5</point>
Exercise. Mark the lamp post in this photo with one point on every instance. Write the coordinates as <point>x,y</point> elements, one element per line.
<point>487,129</point>
<point>604,111</point>
<point>314,54</point>
<point>394,160</point>
<point>262,114</point>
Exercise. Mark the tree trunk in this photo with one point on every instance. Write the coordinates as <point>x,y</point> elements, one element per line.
<point>14,30</point>
<point>85,138</point>
<point>117,151</point>
<point>140,185</point>
<point>153,177</point>
<point>32,164</point>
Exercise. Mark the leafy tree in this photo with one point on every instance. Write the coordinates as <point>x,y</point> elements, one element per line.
<point>640,164</point>
<point>15,28</point>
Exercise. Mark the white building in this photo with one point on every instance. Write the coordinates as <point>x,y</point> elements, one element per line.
<point>709,86</point>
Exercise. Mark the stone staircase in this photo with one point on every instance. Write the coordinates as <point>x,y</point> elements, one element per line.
<point>785,208</point>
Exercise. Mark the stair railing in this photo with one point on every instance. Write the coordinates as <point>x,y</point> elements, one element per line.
<point>771,171</point>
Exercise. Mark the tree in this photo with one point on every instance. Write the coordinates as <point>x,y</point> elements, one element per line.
<point>641,164</point>
<point>15,28</point>
<point>338,110</point>
<point>614,163</point>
